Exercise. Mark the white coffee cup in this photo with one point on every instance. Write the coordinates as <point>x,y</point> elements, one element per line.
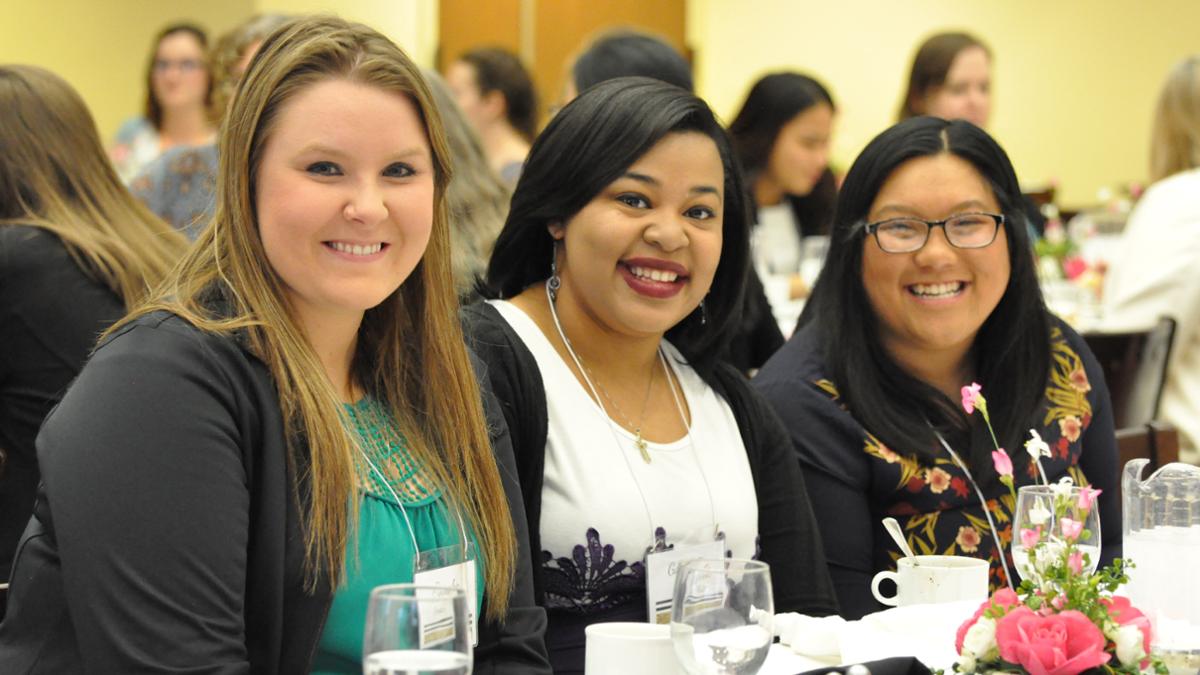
<point>934,579</point>
<point>621,648</point>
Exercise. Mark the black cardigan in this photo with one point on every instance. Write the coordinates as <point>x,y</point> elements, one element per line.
<point>167,535</point>
<point>788,532</point>
<point>51,312</point>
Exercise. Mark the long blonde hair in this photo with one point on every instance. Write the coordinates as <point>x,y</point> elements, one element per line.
<point>1176,141</point>
<point>54,174</point>
<point>410,354</point>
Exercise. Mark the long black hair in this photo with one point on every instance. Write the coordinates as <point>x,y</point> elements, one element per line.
<point>1012,347</point>
<point>587,146</point>
<point>773,101</point>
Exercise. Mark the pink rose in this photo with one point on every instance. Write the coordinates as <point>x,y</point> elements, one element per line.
<point>1004,598</point>
<point>970,397</point>
<point>1002,462</point>
<point>1059,644</point>
<point>1030,536</point>
<point>1071,529</point>
<point>1124,613</point>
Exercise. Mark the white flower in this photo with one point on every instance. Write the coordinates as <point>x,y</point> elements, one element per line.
<point>980,638</point>
<point>1062,489</point>
<point>966,663</point>
<point>1130,649</point>
<point>1039,515</point>
<point>1035,446</point>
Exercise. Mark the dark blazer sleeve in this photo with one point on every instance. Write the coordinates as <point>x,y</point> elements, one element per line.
<point>516,645</point>
<point>837,478</point>
<point>1100,460</point>
<point>147,489</point>
<point>789,538</point>
<point>511,371</point>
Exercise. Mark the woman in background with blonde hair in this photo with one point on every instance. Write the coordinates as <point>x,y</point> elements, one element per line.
<point>76,250</point>
<point>1154,274</point>
<point>293,419</point>
<point>477,200</point>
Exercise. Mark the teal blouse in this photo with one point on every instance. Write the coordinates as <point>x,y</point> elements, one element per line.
<point>382,552</point>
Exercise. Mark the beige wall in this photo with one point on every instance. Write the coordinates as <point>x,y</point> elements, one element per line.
<point>101,46</point>
<point>1075,80</point>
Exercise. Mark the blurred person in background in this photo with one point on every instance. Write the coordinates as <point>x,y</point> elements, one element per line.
<point>782,136</point>
<point>76,251</point>
<point>180,185</point>
<point>625,52</point>
<point>493,89</point>
<point>178,95</point>
<point>951,78</point>
<point>1154,273</point>
<point>477,200</point>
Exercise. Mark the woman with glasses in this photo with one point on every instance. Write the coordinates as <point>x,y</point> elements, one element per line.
<point>178,94</point>
<point>930,286</point>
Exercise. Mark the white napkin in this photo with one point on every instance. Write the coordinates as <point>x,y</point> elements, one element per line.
<point>924,631</point>
<point>810,635</point>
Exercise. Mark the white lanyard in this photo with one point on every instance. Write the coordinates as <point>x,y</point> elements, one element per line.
<point>616,439</point>
<point>982,502</point>
<point>462,527</point>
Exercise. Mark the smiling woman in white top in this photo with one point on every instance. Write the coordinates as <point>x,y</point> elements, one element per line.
<point>615,282</point>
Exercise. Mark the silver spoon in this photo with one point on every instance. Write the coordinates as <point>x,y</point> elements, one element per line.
<point>893,529</point>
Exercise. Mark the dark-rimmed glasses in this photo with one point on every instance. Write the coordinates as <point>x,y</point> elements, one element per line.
<point>908,234</point>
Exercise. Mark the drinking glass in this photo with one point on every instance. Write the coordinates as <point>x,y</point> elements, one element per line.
<point>417,630</point>
<point>1042,512</point>
<point>722,616</point>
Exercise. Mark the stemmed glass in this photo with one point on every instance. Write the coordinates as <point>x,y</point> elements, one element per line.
<point>417,630</point>
<point>1047,518</point>
<point>722,616</point>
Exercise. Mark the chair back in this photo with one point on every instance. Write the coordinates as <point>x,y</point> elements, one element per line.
<point>1157,441</point>
<point>1135,369</point>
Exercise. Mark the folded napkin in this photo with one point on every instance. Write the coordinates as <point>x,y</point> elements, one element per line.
<point>925,632</point>
<point>811,635</point>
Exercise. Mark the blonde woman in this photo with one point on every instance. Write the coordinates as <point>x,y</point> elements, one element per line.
<point>75,251</point>
<point>477,200</point>
<point>1154,275</point>
<point>293,419</point>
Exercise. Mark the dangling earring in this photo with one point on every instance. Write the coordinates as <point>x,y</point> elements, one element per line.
<point>703,314</point>
<point>555,282</point>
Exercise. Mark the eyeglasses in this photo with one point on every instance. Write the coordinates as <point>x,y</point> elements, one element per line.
<point>965,230</point>
<point>184,65</point>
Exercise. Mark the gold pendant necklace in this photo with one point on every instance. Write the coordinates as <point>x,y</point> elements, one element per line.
<point>638,442</point>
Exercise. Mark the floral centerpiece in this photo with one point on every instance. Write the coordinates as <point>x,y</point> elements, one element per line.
<point>1061,621</point>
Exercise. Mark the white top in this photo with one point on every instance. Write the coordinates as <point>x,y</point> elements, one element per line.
<point>1154,274</point>
<point>776,241</point>
<point>593,472</point>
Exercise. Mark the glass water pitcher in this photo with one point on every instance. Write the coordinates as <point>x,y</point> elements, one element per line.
<point>1162,538</point>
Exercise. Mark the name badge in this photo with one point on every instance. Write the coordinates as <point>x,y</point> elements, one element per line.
<point>447,567</point>
<point>661,568</point>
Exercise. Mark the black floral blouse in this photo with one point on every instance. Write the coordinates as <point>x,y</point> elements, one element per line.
<point>855,480</point>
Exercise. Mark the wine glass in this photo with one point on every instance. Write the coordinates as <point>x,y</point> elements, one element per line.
<point>1044,525</point>
<point>722,616</point>
<point>417,630</point>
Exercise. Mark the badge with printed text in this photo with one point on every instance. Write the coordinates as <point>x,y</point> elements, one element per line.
<point>661,568</point>
<point>448,567</point>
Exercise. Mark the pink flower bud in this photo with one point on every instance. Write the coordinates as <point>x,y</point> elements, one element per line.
<point>1071,528</point>
<point>1075,562</point>
<point>1031,536</point>
<point>1002,462</point>
<point>1087,497</point>
<point>971,397</point>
